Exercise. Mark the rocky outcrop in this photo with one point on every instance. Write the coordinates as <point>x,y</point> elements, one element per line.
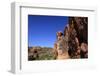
<point>76,36</point>
<point>80,36</point>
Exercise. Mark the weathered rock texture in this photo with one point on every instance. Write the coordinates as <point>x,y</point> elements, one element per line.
<point>75,36</point>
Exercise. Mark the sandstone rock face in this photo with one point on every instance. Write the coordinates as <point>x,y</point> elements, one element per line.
<point>78,39</point>
<point>74,40</point>
<point>61,46</point>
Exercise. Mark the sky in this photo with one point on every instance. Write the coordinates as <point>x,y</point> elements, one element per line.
<point>42,29</point>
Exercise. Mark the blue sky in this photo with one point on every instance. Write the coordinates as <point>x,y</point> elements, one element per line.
<point>42,29</point>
